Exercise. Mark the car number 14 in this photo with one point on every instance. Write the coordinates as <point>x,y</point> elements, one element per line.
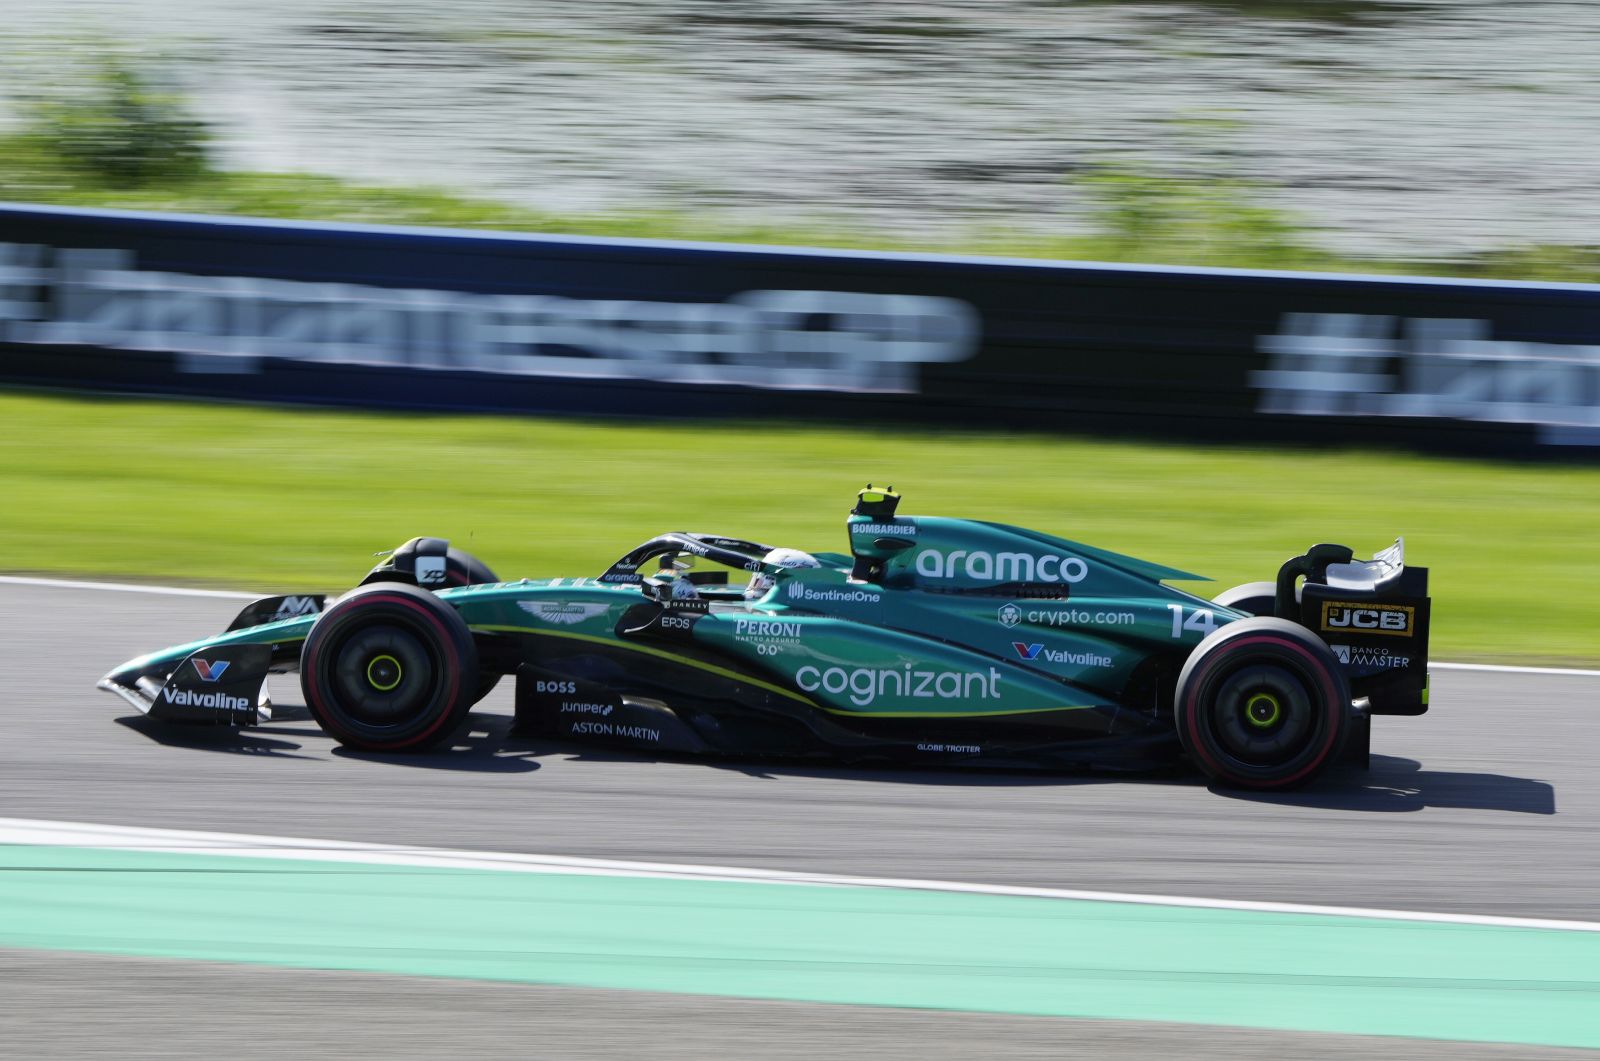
<point>1201,620</point>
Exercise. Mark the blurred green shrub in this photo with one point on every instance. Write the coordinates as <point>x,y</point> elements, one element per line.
<point>114,124</point>
<point>1143,215</point>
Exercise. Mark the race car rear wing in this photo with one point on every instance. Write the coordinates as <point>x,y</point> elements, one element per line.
<point>1374,615</point>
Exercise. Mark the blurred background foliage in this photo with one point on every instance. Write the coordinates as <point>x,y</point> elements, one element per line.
<point>113,129</point>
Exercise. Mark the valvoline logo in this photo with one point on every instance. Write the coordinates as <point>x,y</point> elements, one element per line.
<point>209,672</point>
<point>1027,651</point>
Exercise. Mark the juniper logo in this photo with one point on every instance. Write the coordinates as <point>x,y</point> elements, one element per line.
<point>578,707</point>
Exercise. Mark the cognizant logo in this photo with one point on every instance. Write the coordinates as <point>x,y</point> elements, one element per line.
<point>866,685</point>
<point>983,566</point>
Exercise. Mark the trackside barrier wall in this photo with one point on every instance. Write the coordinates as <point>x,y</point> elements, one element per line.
<point>435,319</point>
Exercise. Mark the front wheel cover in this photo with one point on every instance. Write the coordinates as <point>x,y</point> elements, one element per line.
<point>1261,703</point>
<point>390,667</point>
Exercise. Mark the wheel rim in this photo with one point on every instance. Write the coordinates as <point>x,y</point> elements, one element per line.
<point>1263,715</point>
<point>383,675</point>
<point>1263,711</point>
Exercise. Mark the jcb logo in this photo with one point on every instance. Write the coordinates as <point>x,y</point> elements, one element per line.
<point>1396,620</point>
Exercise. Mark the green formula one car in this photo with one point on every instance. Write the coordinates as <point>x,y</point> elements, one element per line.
<point>949,642</point>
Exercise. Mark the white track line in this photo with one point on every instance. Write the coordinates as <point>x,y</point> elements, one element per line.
<point>129,587</point>
<point>1499,668</point>
<point>181,591</point>
<point>22,831</point>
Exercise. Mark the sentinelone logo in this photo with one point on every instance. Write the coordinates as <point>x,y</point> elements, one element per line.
<point>832,340</point>
<point>1348,364</point>
<point>799,591</point>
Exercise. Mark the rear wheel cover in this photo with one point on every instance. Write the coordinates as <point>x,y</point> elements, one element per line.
<point>387,668</point>
<point>1262,704</point>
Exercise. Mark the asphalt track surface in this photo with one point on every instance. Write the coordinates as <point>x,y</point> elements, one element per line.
<point>1490,804</point>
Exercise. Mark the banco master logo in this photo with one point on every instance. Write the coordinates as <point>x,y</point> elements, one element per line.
<point>981,566</point>
<point>1370,656</point>
<point>865,685</point>
<point>1393,620</point>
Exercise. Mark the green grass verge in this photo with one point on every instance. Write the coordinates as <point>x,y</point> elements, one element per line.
<point>1136,216</point>
<point>273,498</point>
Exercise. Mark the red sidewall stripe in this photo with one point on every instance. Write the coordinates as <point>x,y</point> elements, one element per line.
<point>444,639</point>
<point>1197,681</point>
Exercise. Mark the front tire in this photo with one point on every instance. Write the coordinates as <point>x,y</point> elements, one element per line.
<point>390,668</point>
<point>1261,703</point>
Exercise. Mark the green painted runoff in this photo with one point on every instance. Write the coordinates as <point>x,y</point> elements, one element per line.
<point>866,946</point>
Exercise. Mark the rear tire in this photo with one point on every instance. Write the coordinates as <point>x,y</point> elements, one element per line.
<point>1262,703</point>
<point>1252,598</point>
<point>389,667</point>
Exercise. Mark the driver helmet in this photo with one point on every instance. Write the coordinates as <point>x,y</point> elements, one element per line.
<point>761,583</point>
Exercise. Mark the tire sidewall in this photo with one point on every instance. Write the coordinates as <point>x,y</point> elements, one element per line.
<point>1250,642</point>
<point>434,622</point>
<point>1254,598</point>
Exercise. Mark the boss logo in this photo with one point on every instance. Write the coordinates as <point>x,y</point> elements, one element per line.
<point>542,686</point>
<point>1396,620</point>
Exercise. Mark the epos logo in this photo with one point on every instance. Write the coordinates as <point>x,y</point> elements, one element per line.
<point>1394,620</point>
